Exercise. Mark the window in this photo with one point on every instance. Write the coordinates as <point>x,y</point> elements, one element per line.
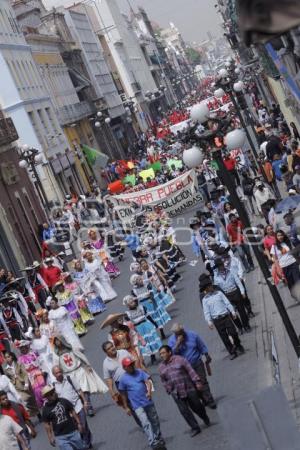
<point>30,208</point>
<point>27,221</point>
<point>17,229</point>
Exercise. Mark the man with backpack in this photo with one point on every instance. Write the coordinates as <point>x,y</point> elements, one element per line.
<point>68,389</point>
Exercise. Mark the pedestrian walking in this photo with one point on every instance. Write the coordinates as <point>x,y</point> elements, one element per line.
<point>218,313</point>
<point>135,386</point>
<point>11,435</point>
<point>62,424</point>
<point>262,197</point>
<point>20,415</point>
<point>281,253</point>
<point>69,389</point>
<point>113,371</point>
<point>190,346</point>
<point>183,384</point>
<point>237,242</point>
<point>231,285</point>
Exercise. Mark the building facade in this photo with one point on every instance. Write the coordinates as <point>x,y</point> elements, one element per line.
<point>27,101</point>
<point>20,210</point>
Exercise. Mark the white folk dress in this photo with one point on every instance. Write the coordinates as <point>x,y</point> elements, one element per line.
<point>63,323</point>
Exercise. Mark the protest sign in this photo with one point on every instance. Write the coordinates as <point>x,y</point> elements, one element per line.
<point>174,197</point>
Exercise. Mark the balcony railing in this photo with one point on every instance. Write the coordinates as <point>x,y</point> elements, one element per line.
<point>8,132</point>
<point>136,86</point>
<point>72,113</point>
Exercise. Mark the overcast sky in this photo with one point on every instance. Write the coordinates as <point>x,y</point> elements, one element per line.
<point>192,17</point>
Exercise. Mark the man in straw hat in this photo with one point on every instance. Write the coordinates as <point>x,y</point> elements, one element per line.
<point>218,313</point>
<point>62,424</point>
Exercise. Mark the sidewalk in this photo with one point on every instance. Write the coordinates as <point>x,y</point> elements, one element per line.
<point>286,364</point>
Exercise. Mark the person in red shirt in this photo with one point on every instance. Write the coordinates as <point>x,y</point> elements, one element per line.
<point>51,273</point>
<point>230,164</point>
<point>237,241</point>
<point>19,414</point>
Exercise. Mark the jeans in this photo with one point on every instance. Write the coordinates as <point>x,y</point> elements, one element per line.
<point>71,441</point>
<point>86,435</point>
<point>151,426</point>
<point>188,405</point>
<point>243,251</point>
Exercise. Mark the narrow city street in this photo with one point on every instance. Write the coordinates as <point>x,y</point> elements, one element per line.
<point>149,178</point>
<point>238,379</point>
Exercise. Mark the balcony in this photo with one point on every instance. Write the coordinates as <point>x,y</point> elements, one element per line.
<point>8,133</point>
<point>72,113</point>
<point>136,87</point>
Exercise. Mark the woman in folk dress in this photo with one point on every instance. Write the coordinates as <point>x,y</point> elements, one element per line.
<point>102,282</point>
<point>67,299</point>
<point>63,324</point>
<point>85,279</point>
<point>74,364</point>
<point>74,287</point>
<point>31,362</point>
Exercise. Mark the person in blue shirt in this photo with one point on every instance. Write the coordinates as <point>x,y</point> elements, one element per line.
<point>218,313</point>
<point>190,345</point>
<point>276,166</point>
<point>230,283</point>
<point>135,388</point>
<point>133,242</point>
<point>48,231</point>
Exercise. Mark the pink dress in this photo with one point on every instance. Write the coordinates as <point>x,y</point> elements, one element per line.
<point>35,375</point>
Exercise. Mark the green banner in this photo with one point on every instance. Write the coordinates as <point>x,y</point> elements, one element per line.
<point>92,155</point>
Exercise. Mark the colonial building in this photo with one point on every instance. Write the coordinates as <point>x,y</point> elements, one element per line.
<point>26,99</point>
<point>129,59</point>
<point>20,209</point>
<point>72,112</point>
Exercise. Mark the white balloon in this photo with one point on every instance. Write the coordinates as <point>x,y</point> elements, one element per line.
<point>235,139</point>
<point>200,112</point>
<point>219,93</point>
<point>192,157</point>
<point>223,73</point>
<point>238,86</point>
<point>97,124</point>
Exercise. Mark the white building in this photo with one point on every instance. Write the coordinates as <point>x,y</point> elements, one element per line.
<point>83,34</point>
<point>24,98</point>
<point>129,59</point>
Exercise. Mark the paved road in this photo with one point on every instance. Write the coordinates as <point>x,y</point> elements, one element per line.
<point>240,378</point>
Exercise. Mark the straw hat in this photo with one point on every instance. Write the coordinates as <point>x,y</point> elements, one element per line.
<point>26,269</point>
<point>22,343</point>
<point>47,389</point>
<point>111,318</point>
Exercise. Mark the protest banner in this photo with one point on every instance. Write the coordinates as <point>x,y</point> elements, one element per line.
<point>174,197</point>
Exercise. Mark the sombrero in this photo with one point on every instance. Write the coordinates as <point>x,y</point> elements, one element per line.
<point>26,269</point>
<point>111,318</point>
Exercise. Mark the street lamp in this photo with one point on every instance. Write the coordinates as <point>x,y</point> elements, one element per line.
<point>218,130</point>
<point>227,82</point>
<point>30,158</point>
<point>192,157</point>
